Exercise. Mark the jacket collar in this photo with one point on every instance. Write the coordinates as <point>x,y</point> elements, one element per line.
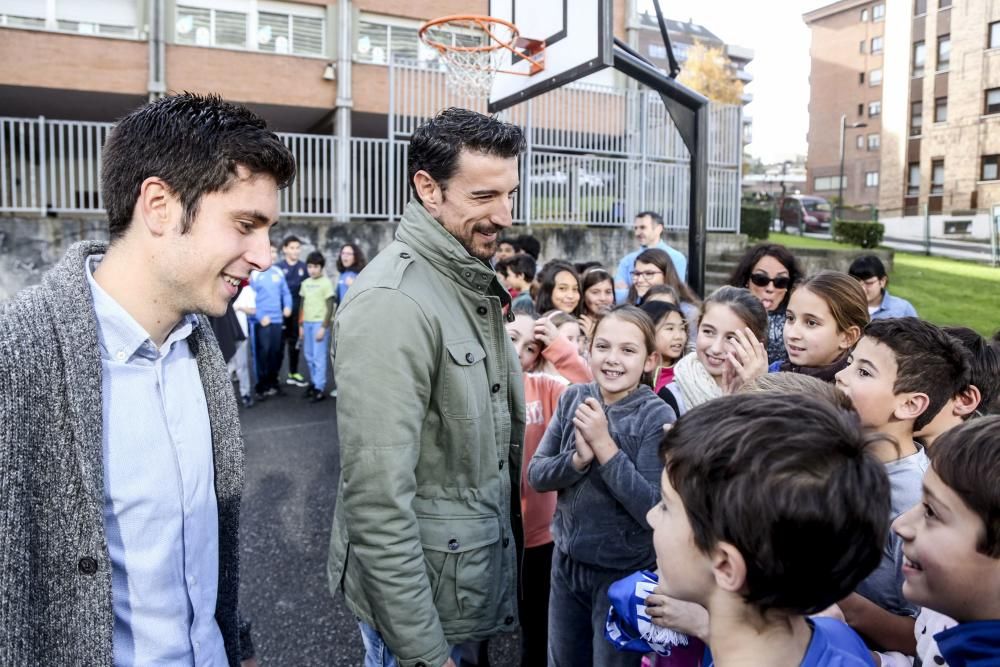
<point>434,243</point>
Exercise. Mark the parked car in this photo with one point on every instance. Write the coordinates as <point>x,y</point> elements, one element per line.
<point>814,213</point>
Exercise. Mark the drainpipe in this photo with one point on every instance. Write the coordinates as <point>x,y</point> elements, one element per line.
<point>157,85</point>
<point>342,111</point>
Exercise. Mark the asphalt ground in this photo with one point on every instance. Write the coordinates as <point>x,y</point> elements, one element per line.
<point>292,468</point>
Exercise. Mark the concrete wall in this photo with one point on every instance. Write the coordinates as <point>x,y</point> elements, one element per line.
<point>29,246</point>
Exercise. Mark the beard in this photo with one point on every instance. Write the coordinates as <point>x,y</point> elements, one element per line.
<point>483,250</point>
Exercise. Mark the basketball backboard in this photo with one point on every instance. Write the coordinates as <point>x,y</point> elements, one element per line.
<point>579,40</point>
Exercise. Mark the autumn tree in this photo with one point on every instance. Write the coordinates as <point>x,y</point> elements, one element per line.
<point>709,72</point>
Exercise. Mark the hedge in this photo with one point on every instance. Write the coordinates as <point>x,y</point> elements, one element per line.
<point>863,234</point>
<point>755,222</point>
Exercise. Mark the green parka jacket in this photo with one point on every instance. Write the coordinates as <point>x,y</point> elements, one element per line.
<point>430,419</point>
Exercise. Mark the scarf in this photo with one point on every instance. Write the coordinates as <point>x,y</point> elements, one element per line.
<point>824,373</point>
<point>694,381</point>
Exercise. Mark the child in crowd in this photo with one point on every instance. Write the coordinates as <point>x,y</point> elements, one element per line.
<point>900,374</point>
<point>516,273</point>
<point>541,396</point>
<point>558,288</point>
<point>599,453</point>
<point>314,323</point>
<point>771,510</point>
<point>977,396</point>
<point>671,343</point>
<point>653,267</point>
<point>598,297</point>
<point>824,319</point>
<point>245,305</point>
<point>664,293</point>
<point>870,272</point>
<point>553,347</point>
<point>951,545</point>
<point>729,350</point>
<point>295,273</point>
<point>350,262</point>
<point>274,302</point>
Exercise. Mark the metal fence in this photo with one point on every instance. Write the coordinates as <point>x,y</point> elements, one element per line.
<point>596,155</point>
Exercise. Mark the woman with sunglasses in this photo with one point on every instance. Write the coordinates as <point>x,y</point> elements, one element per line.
<point>769,270</point>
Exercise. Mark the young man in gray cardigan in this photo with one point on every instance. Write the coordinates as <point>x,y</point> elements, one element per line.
<point>121,460</point>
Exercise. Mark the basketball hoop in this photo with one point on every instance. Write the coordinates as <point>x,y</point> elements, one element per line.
<point>473,65</point>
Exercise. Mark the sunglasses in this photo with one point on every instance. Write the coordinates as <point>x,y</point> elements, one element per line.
<point>762,279</point>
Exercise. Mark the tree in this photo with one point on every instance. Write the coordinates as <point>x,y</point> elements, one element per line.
<point>709,72</point>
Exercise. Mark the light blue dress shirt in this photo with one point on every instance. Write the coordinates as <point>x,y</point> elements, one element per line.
<point>893,306</point>
<point>160,511</point>
<point>627,264</point>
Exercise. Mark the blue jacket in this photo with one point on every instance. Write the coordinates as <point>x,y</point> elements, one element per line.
<point>625,267</point>
<point>893,306</point>
<point>272,292</point>
<point>601,512</point>
<point>975,644</point>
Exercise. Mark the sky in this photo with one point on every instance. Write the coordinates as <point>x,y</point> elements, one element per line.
<point>780,40</point>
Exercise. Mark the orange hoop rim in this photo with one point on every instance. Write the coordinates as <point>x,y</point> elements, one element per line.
<point>533,51</point>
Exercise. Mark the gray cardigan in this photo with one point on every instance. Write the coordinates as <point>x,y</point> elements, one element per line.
<point>55,572</point>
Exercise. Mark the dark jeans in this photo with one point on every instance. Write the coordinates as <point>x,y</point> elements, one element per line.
<point>533,604</point>
<point>291,337</point>
<point>578,609</point>
<point>268,354</point>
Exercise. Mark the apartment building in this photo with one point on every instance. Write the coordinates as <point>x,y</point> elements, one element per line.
<point>923,77</point>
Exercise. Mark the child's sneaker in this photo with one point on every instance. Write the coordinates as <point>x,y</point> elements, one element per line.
<point>310,392</point>
<point>317,397</point>
<point>296,380</point>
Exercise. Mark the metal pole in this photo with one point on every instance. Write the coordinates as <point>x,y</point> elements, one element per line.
<point>391,146</point>
<point>643,147</point>
<point>840,180</point>
<point>342,119</point>
<point>528,166</point>
<point>995,235</point>
<point>42,168</point>
<point>697,226</point>
<point>927,228</point>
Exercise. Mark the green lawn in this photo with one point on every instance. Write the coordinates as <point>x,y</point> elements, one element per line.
<point>944,291</point>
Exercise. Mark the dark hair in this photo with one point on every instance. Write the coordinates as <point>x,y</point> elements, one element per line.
<point>967,459</point>
<point>290,239</point>
<point>436,145</point>
<point>928,361</point>
<point>583,267</point>
<point>594,276</point>
<point>507,240</point>
<point>547,283</point>
<point>843,296</point>
<point>527,243</point>
<point>316,258</point>
<point>746,306</point>
<point>656,290</point>
<point>653,215</point>
<point>661,260</point>
<point>867,267</point>
<point>519,263</point>
<point>194,143</point>
<point>657,310</point>
<point>984,365</point>
<point>791,486</point>
<point>359,259</point>
<point>741,274</point>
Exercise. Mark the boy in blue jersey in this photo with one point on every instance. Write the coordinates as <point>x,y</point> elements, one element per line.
<point>772,510</point>
<point>274,303</point>
<point>951,542</point>
<point>295,273</point>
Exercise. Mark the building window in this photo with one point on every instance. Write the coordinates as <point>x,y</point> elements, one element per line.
<point>944,4</point>
<point>913,180</point>
<point>995,35</point>
<point>875,77</point>
<point>993,100</point>
<point>861,46</point>
<point>878,12</point>
<point>919,58</point>
<point>871,179</point>
<point>876,45</point>
<point>861,77</point>
<point>943,53</point>
<point>861,109</point>
<point>197,26</point>
<point>874,108</point>
<point>940,109</point>
<point>828,183</point>
<point>919,7</point>
<point>379,42</point>
<point>289,33</point>
<point>860,143</point>
<point>300,30</point>
<point>916,118</point>
<point>864,15</point>
<point>937,177</point>
<point>991,168</point>
<point>108,18</point>
<point>873,142</point>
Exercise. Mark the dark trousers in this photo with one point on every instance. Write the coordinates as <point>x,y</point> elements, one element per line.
<point>268,355</point>
<point>578,611</point>
<point>291,336</point>
<point>533,604</point>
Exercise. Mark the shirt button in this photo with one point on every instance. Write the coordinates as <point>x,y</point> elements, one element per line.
<point>87,565</point>
<point>120,355</point>
<point>469,358</point>
<point>482,310</point>
<point>452,544</point>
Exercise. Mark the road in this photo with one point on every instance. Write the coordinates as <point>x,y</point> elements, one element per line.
<point>292,468</point>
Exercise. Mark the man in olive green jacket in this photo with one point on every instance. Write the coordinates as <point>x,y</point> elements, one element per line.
<point>430,411</point>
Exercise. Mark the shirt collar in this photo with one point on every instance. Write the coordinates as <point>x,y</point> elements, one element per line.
<point>120,336</point>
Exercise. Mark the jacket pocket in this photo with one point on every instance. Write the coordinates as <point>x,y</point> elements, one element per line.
<point>464,561</point>
<point>465,383</point>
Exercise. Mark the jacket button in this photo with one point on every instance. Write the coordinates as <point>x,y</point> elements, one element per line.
<point>452,544</point>
<point>506,542</point>
<point>87,565</point>
<point>508,620</point>
<point>404,255</point>
<point>495,388</point>
<point>482,310</point>
<point>470,358</point>
<point>501,465</point>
